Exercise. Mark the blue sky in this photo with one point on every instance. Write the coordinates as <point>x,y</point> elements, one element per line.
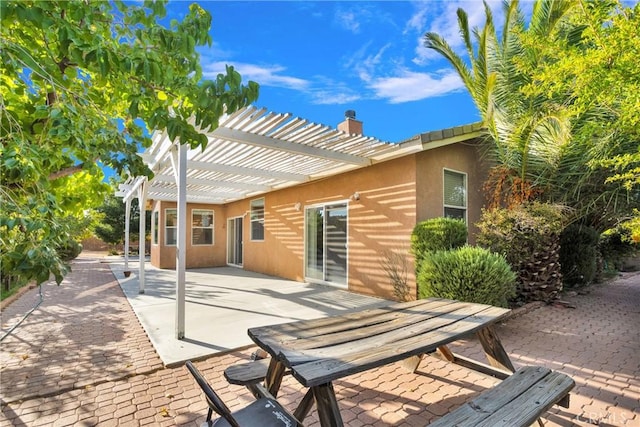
<point>318,59</point>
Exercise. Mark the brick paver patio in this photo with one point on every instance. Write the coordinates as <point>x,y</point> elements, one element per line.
<point>83,359</point>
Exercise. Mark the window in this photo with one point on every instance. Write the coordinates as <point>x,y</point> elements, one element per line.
<point>201,227</point>
<point>257,219</point>
<point>455,195</point>
<point>170,227</point>
<point>154,226</point>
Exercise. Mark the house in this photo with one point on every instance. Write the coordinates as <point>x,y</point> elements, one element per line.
<point>281,196</point>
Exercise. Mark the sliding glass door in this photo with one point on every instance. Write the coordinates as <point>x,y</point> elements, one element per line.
<point>326,243</point>
<point>234,241</point>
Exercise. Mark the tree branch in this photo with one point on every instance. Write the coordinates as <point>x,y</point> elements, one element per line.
<point>66,171</point>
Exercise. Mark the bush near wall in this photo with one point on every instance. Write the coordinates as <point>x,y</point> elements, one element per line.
<point>529,238</point>
<point>579,255</point>
<point>468,273</point>
<point>437,234</point>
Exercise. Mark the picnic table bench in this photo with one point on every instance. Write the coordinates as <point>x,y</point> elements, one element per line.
<point>317,352</point>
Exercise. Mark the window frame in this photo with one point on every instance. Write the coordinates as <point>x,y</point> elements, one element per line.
<point>210,227</point>
<point>445,206</point>
<point>259,220</point>
<point>166,227</point>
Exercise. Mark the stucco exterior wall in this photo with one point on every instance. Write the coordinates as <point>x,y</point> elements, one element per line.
<point>461,157</point>
<point>163,256</point>
<point>379,222</point>
<point>392,197</point>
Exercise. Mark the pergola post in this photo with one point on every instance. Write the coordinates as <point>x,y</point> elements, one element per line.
<point>179,161</point>
<point>127,220</point>
<point>142,200</point>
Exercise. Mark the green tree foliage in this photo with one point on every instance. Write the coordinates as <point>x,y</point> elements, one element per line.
<point>468,273</point>
<point>80,84</point>
<point>558,97</point>
<point>579,255</point>
<point>111,227</point>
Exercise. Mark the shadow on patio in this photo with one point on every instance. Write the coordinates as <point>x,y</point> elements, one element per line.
<point>222,303</point>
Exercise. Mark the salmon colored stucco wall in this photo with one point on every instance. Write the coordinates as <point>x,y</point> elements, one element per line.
<point>461,157</point>
<point>393,196</point>
<point>197,256</point>
<point>379,222</point>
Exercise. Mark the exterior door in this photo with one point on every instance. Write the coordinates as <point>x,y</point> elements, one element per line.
<point>234,241</point>
<point>326,244</point>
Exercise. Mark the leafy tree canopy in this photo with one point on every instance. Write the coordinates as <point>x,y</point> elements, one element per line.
<point>558,95</point>
<point>80,84</point>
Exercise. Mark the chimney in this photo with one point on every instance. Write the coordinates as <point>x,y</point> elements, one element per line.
<point>350,124</point>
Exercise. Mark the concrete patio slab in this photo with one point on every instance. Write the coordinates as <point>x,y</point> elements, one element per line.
<point>221,304</point>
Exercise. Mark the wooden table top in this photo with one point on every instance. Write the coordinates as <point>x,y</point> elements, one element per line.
<point>321,350</point>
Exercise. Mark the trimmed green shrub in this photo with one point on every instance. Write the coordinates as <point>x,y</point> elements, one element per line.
<point>437,234</point>
<point>529,238</point>
<point>468,273</point>
<point>578,255</point>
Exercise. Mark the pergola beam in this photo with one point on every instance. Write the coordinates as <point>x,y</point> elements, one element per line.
<point>214,194</point>
<point>248,138</point>
<point>214,183</point>
<point>245,171</point>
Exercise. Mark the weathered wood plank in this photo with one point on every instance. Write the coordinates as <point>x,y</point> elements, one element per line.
<point>273,379</point>
<point>327,405</point>
<point>378,325</point>
<point>329,367</point>
<point>517,401</point>
<point>412,363</point>
<point>247,373</point>
<point>305,406</point>
<point>529,406</point>
<point>284,334</point>
<point>474,364</point>
<point>494,350</point>
<point>337,345</point>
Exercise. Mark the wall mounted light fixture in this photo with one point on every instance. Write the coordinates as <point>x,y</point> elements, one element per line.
<point>356,196</point>
<point>298,206</point>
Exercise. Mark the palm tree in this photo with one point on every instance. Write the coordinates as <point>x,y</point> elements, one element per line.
<point>526,137</point>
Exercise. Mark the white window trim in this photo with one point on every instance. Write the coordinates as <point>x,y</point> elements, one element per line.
<point>251,221</point>
<point>167,227</point>
<point>213,219</point>
<point>466,195</point>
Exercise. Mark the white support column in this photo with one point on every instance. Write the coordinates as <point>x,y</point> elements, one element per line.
<point>142,200</point>
<point>179,160</point>
<point>127,221</point>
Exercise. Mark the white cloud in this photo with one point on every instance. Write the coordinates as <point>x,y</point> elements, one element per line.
<point>443,19</point>
<point>348,20</point>
<point>325,97</point>
<point>270,75</point>
<point>364,64</point>
<point>409,86</point>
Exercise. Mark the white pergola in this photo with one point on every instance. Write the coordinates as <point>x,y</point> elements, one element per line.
<point>251,152</point>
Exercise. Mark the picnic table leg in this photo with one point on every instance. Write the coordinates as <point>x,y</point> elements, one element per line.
<point>305,406</point>
<point>494,350</point>
<point>411,363</point>
<point>273,380</point>
<point>327,405</point>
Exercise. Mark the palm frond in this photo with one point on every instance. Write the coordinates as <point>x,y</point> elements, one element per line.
<point>463,25</point>
<point>436,42</point>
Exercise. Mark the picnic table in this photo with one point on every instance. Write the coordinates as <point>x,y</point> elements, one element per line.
<point>318,352</point>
